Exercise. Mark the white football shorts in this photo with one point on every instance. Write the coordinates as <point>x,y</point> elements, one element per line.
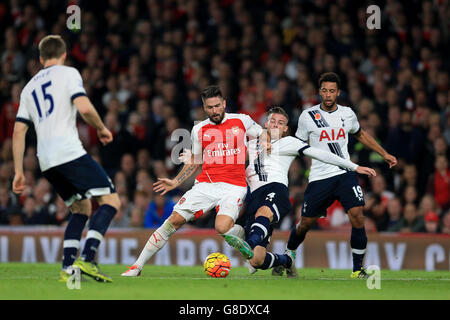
<point>203,196</point>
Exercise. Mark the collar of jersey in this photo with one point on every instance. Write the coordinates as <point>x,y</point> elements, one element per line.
<point>320,107</point>
<point>49,66</point>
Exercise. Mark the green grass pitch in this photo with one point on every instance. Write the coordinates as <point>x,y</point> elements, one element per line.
<point>38,281</point>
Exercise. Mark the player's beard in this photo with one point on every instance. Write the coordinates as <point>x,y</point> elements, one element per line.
<point>217,118</point>
<point>329,104</point>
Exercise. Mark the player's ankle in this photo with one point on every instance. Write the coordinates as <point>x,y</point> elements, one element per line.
<point>288,262</point>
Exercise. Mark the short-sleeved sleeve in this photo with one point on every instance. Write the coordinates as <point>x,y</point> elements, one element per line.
<point>354,123</point>
<point>75,83</point>
<point>22,113</point>
<point>302,129</point>
<point>253,129</point>
<point>196,145</point>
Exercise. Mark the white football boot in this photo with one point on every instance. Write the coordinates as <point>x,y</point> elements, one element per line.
<point>133,271</point>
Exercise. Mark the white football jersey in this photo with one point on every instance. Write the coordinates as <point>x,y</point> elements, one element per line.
<point>46,101</point>
<point>327,131</point>
<point>265,168</point>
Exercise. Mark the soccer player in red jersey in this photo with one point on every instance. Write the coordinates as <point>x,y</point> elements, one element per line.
<point>219,146</point>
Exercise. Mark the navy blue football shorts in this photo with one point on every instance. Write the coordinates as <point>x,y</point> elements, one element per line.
<point>78,179</point>
<point>320,194</point>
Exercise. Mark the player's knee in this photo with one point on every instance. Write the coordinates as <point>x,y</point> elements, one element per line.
<point>111,199</point>
<point>356,212</point>
<point>256,261</point>
<point>223,223</point>
<point>356,217</point>
<point>75,207</point>
<point>304,226</point>
<point>259,254</point>
<point>264,211</point>
<point>177,220</point>
<point>81,207</point>
<point>221,228</point>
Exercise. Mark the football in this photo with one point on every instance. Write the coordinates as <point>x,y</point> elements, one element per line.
<point>217,265</point>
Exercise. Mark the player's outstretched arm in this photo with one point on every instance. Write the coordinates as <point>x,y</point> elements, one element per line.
<point>191,164</point>
<point>91,116</point>
<point>18,140</point>
<point>333,159</point>
<point>367,140</point>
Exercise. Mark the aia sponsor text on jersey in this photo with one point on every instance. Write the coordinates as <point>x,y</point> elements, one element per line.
<point>332,134</point>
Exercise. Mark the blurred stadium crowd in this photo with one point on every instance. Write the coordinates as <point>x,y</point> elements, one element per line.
<point>144,63</point>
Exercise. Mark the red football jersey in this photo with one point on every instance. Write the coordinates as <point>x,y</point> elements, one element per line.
<point>224,148</point>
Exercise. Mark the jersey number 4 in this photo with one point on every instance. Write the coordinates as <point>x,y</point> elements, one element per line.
<point>47,96</point>
<point>270,196</point>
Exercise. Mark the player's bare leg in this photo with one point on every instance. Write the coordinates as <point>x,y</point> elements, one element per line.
<point>233,234</point>
<point>156,241</point>
<point>358,241</point>
<point>259,253</point>
<point>356,217</point>
<point>223,223</point>
<point>111,199</point>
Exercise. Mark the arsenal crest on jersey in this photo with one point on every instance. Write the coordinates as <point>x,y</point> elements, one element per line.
<point>235,130</point>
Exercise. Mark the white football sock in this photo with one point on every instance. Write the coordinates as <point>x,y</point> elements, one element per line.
<point>156,241</point>
<point>237,231</point>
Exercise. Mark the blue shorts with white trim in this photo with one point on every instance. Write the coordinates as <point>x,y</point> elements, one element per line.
<point>78,179</point>
<point>274,195</point>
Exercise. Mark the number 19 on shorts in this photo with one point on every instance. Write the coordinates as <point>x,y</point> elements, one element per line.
<point>358,193</point>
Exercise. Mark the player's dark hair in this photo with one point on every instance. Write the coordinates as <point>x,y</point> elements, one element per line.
<point>211,92</point>
<point>278,110</point>
<point>52,46</point>
<point>330,77</point>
